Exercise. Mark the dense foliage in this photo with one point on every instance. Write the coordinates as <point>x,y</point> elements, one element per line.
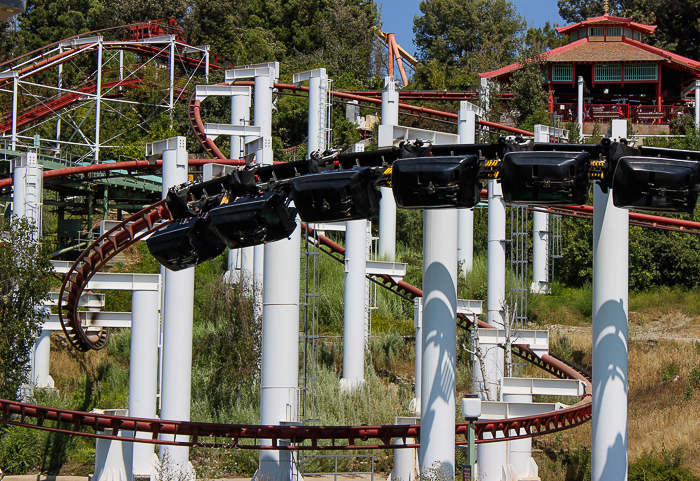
<point>25,275</point>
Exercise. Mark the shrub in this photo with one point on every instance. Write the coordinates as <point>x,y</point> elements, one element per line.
<point>20,450</point>
<point>669,370</point>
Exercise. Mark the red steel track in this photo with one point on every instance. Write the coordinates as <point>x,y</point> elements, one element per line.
<point>247,437</point>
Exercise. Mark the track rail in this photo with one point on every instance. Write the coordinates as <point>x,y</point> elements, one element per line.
<point>91,260</point>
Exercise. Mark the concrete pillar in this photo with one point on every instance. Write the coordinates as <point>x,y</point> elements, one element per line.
<point>519,450</point>
<point>404,462</point>
<point>178,302</point>
<point>387,205</point>
<point>143,372</point>
<point>418,364</point>
<point>439,339</point>
<point>492,456</point>
<point>354,305</point>
<point>240,115</point>
<point>540,238</point>
<point>42,361</point>
<point>279,379</point>
<point>580,106</point>
<point>262,117</point>
<point>27,189</point>
<point>540,253</point>
<point>15,96</point>
<point>315,112</point>
<point>466,128</point>
<point>610,313</point>
<point>697,104</point>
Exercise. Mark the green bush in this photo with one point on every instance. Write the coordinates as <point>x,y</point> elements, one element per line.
<point>20,450</point>
<point>664,466</point>
<point>669,370</point>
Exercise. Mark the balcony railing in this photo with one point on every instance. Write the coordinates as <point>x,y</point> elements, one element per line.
<point>604,113</point>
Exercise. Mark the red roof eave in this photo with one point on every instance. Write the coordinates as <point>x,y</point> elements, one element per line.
<point>545,55</point>
<point>606,18</point>
<point>672,57</point>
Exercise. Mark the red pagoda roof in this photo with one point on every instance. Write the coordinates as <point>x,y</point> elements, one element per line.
<point>585,51</point>
<point>607,20</point>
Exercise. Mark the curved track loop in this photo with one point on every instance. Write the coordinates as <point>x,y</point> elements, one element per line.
<point>91,260</point>
<point>198,128</point>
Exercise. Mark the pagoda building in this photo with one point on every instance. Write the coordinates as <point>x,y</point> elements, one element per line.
<point>623,76</point>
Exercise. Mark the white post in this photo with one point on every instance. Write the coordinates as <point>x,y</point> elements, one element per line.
<point>610,309</point>
<point>387,205</point>
<point>418,367</point>
<point>143,372</point>
<point>697,104</point>
<point>314,113</point>
<point>206,64</point>
<point>59,84</point>
<point>540,237</point>
<point>354,306</point>
<point>15,84</point>
<point>496,278</point>
<point>98,100</point>
<point>439,340</point>
<point>243,258</point>
<point>171,99</point>
<point>279,378</point>
<point>492,456</point>
<point>178,302</point>
<point>262,117</point>
<point>27,189</point>
<point>519,450</point>
<point>466,128</point>
<point>42,360</point>
<point>580,106</point>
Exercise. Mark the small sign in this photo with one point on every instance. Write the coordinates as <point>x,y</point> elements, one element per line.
<point>467,472</point>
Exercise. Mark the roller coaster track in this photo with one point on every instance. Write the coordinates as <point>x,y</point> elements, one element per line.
<point>247,436</point>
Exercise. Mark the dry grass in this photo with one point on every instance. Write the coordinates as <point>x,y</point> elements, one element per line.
<point>662,406</point>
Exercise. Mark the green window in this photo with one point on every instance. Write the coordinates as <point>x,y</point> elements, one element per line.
<point>641,71</point>
<point>614,31</point>
<point>562,72</point>
<point>611,72</point>
<point>596,31</point>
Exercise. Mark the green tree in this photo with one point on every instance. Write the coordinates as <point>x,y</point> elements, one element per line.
<point>544,38</point>
<point>480,35</point>
<point>576,10</point>
<point>25,276</point>
<point>529,98</point>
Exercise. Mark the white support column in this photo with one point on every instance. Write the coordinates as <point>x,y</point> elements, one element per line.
<point>243,258</point>
<point>27,189</point>
<point>697,104</point>
<point>15,84</point>
<point>206,64</point>
<point>540,237</point>
<point>59,84</point>
<point>418,367</point>
<point>178,302</point>
<point>279,378</point>
<point>98,101</point>
<point>466,128</point>
<point>610,311</point>
<point>580,106</point>
<point>387,205</point>
<point>262,117</point>
<point>439,339</point>
<point>519,450</point>
<point>143,372</point>
<point>354,309</point>
<point>492,456</point>
<point>171,99</point>
<point>317,80</point>
<point>42,361</point>
<point>496,279</point>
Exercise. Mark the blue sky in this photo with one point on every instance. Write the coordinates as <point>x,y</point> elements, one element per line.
<point>397,16</point>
